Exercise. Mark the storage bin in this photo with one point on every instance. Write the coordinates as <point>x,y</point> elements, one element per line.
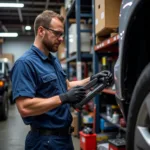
<point>87,141</point>
<point>117,144</point>
<point>84,39</point>
<point>105,125</point>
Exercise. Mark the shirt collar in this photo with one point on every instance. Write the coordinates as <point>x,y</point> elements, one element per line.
<point>41,54</point>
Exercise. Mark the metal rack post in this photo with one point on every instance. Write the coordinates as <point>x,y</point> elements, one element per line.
<point>96,124</point>
<point>78,60</point>
<point>67,43</point>
<point>79,57</point>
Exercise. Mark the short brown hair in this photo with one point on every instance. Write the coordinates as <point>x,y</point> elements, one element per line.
<point>44,19</point>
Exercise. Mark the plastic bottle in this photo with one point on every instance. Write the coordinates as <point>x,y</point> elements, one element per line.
<point>115,117</point>
<point>109,111</point>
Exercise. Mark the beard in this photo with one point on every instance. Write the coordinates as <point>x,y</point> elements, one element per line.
<point>50,46</point>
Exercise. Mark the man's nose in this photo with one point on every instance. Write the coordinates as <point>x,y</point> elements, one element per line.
<point>61,38</point>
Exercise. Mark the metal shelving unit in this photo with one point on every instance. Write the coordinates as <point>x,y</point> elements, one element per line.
<point>84,57</point>
<point>96,128</point>
<point>107,47</point>
<point>102,115</point>
<point>76,11</point>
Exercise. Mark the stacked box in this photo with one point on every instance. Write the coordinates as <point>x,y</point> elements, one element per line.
<point>62,51</point>
<point>10,57</point>
<point>85,39</point>
<point>63,11</point>
<point>75,124</point>
<point>106,16</point>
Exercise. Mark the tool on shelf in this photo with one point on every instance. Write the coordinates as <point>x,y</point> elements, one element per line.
<point>95,86</point>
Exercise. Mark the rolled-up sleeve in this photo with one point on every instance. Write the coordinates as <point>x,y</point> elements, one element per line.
<point>23,80</point>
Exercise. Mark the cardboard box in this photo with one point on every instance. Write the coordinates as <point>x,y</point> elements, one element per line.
<point>106,16</point>
<point>9,56</point>
<point>113,34</point>
<point>75,124</point>
<point>100,39</point>
<point>1,41</point>
<point>62,51</point>
<point>72,20</point>
<point>63,11</point>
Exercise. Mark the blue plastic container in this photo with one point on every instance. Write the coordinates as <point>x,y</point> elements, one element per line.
<point>105,125</point>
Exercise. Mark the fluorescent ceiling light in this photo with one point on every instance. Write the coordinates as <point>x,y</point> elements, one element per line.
<point>27,27</point>
<point>4,34</point>
<point>12,5</point>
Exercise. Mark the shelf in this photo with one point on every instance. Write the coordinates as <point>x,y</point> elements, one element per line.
<point>109,91</point>
<point>86,30</point>
<point>108,45</point>
<point>72,58</point>
<point>84,57</point>
<point>86,15</point>
<point>117,125</point>
<point>84,8</point>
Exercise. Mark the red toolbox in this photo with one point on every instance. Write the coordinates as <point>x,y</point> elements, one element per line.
<point>87,141</point>
<point>117,144</point>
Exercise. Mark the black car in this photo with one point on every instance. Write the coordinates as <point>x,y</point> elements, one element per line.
<point>5,88</point>
<point>132,72</point>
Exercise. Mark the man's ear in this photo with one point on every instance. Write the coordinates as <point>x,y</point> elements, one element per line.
<point>41,31</point>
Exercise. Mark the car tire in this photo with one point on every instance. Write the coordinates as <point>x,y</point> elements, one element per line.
<point>4,108</point>
<point>11,99</point>
<point>138,134</point>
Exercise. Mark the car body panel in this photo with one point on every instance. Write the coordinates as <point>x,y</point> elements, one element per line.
<point>126,17</point>
<point>128,8</point>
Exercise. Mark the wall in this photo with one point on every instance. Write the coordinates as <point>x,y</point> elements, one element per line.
<point>17,46</point>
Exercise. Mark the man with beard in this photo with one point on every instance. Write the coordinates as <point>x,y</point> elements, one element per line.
<point>41,90</point>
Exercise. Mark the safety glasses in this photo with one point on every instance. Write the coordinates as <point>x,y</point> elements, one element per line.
<point>56,33</point>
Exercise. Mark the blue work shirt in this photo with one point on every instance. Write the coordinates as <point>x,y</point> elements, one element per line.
<point>36,75</point>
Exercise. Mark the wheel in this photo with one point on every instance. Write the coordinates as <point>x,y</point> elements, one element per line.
<point>138,123</point>
<point>4,107</point>
<point>11,99</point>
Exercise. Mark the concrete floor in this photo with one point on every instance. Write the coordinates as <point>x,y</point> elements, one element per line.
<point>13,132</point>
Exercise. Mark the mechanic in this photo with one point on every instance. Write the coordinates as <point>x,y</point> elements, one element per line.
<point>42,93</point>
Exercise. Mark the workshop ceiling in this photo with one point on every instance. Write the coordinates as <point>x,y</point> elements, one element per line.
<point>15,19</point>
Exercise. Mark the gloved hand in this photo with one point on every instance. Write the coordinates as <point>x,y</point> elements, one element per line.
<point>105,74</point>
<point>74,95</point>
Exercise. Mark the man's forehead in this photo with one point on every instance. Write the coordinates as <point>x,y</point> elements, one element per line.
<point>55,22</point>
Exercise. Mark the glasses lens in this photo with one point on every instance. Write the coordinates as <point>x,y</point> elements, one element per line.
<point>59,34</point>
<point>62,35</point>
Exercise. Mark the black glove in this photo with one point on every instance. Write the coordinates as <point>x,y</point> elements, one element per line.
<point>73,96</point>
<point>103,75</point>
